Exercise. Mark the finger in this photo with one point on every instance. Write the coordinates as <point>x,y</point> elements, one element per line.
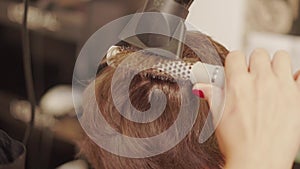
<point>297,77</point>
<point>212,94</point>
<point>260,62</point>
<point>235,64</point>
<point>204,91</point>
<point>281,64</point>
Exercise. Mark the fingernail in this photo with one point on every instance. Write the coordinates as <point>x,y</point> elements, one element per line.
<point>199,93</point>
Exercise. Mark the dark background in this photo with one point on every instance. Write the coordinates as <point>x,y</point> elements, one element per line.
<point>53,58</point>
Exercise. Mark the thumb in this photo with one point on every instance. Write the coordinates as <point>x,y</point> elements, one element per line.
<point>202,90</point>
<point>207,92</point>
<point>297,77</point>
<point>214,96</point>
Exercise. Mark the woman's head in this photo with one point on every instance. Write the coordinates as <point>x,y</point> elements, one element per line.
<point>189,153</point>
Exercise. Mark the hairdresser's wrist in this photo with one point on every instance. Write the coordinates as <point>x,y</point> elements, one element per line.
<point>258,162</point>
<point>250,165</point>
<point>243,163</point>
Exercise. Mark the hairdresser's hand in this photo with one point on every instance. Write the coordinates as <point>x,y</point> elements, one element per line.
<point>260,127</point>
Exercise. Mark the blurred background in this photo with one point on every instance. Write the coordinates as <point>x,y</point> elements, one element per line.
<point>59,28</point>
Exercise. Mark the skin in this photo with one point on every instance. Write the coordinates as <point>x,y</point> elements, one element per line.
<point>261,119</point>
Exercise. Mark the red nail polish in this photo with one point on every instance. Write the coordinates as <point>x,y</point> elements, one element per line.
<point>199,93</point>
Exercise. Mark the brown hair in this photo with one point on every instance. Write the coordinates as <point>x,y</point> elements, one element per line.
<point>189,153</point>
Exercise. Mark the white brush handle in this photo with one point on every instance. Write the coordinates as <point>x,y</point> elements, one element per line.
<point>207,73</point>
